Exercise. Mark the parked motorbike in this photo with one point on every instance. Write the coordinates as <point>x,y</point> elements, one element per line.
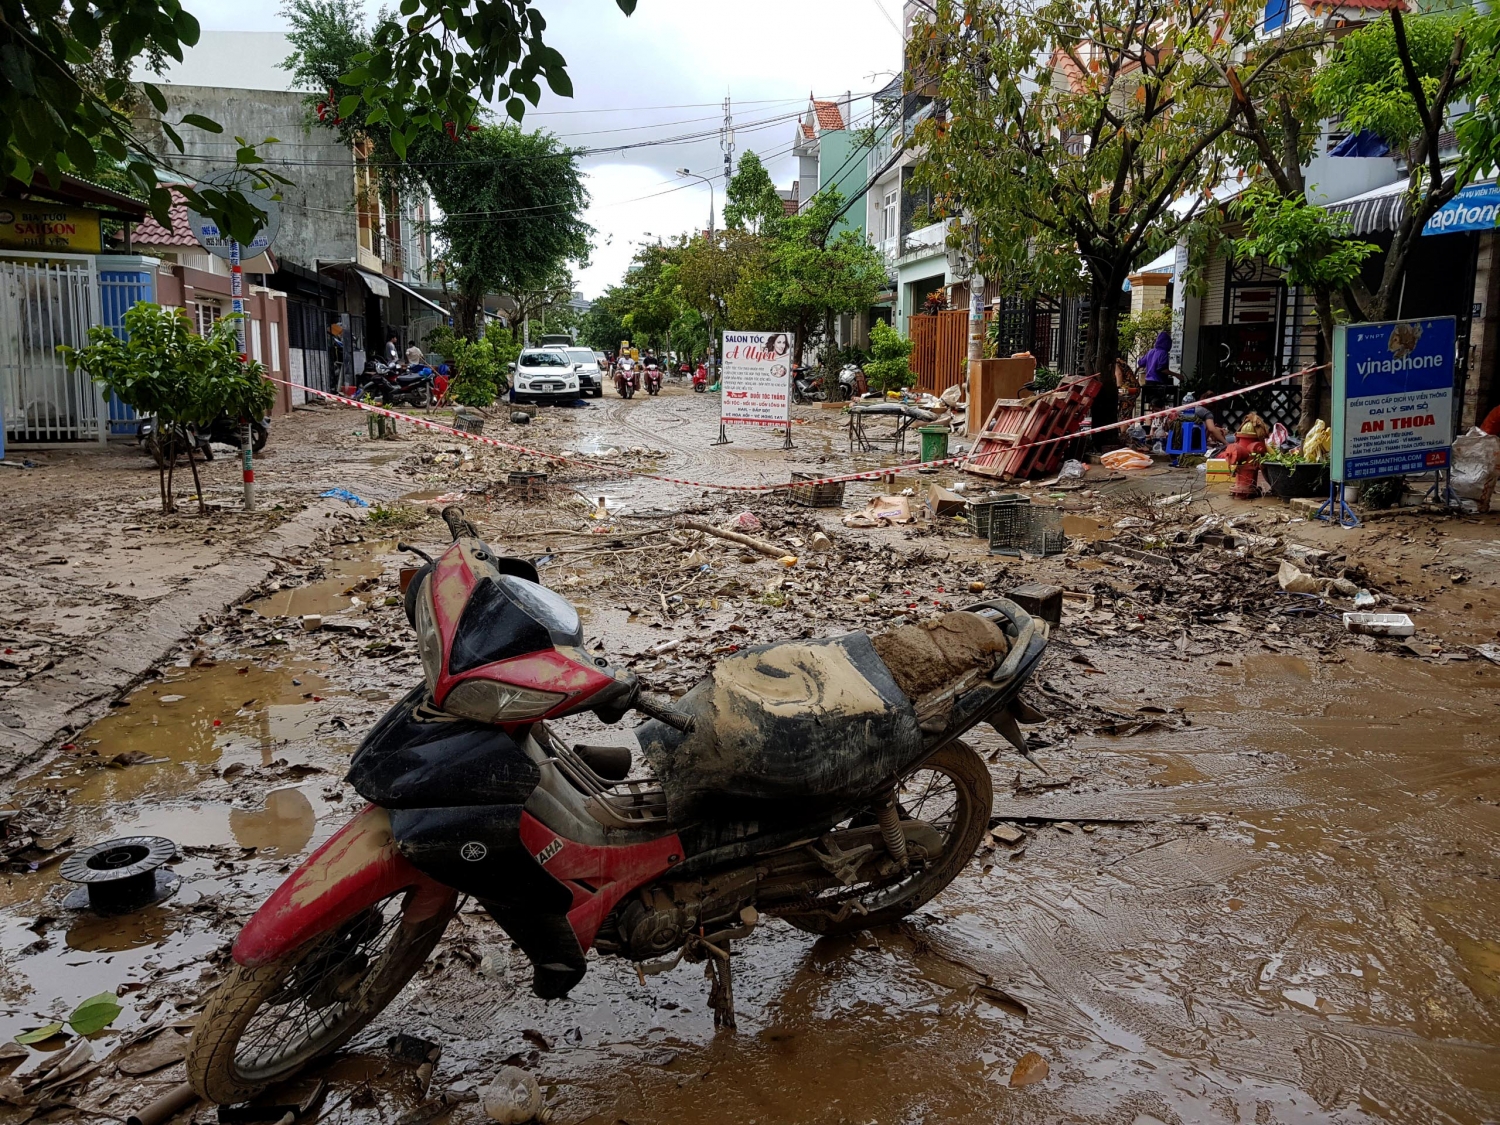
<point>224,430</point>
<point>394,385</point>
<point>653,379</point>
<point>700,379</point>
<point>627,380</point>
<point>847,812</point>
<point>807,385</point>
<point>852,382</point>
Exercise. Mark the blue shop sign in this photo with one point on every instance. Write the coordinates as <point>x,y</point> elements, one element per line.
<point>1393,397</point>
<point>1477,207</point>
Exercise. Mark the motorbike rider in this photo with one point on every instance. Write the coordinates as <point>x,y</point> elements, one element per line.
<point>393,348</point>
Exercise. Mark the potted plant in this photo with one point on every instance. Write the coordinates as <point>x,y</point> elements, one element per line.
<point>1290,475</point>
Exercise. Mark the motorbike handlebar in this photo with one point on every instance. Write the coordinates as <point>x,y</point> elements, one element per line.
<point>662,710</point>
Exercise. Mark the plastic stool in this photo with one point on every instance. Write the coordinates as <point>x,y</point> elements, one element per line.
<point>1189,438</point>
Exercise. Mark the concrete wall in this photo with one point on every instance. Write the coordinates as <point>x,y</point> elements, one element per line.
<point>317,210</point>
<point>841,164</point>
<point>1483,390</point>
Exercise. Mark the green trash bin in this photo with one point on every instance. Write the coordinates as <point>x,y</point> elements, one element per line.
<point>934,442</point>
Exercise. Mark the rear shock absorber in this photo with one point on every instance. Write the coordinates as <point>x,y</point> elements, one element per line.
<point>888,816</point>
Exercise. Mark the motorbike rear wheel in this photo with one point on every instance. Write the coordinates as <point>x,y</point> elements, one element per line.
<point>263,1024</point>
<point>952,792</point>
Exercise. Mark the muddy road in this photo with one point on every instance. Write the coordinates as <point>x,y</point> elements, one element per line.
<point>1258,881</point>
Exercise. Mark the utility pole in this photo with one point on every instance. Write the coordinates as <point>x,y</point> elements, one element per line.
<point>726,142</point>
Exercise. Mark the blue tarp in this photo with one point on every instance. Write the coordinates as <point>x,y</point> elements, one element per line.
<point>1363,143</point>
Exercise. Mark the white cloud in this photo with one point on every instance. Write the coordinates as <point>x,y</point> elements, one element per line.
<point>682,56</point>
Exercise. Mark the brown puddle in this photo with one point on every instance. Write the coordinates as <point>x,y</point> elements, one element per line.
<point>348,570</point>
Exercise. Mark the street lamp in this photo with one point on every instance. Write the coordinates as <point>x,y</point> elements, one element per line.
<point>710,183</point>
<point>713,341</point>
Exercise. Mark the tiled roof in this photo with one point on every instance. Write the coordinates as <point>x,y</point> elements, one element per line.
<point>789,206</point>
<point>151,233</point>
<point>829,116</point>
<point>807,131</point>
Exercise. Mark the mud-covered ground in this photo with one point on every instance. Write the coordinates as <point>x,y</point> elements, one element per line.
<point>1257,882</point>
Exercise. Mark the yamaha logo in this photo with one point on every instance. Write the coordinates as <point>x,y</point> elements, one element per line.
<point>549,851</point>
<point>474,851</point>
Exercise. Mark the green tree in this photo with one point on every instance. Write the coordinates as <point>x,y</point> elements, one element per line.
<point>710,269</point>
<point>185,381</point>
<point>476,374</point>
<point>603,327</point>
<point>803,278</point>
<point>751,202</point>
<point>512,207</point>
<point>1312,248</point>
<point>1400,78</point>
<point>889,365</point>
<point>652,297</point>
<point>511,203</point>
<point>1066,133</point>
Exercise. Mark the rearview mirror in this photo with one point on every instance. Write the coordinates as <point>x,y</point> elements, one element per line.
<point>578,367</point>
<point>512,366</point>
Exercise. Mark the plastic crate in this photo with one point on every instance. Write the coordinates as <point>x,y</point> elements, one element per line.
<point>468,421</point>
<point>829,494</point>
<point>980,509</point>
<point>1015,528</point>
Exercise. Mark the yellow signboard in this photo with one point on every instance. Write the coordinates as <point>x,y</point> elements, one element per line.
<point>39,225</point>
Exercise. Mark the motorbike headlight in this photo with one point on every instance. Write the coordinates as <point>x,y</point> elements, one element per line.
<point>429,642</point>
<point>486,701</point>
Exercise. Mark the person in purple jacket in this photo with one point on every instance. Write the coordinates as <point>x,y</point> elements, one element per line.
<point>1157,379</point>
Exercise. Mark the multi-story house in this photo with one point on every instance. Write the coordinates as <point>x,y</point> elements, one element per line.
<point>350,257</point>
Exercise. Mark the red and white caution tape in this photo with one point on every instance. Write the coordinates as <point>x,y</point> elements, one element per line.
<point>872,474</point>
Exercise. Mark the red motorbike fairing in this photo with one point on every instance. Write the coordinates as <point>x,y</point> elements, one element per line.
<point>597,877</point>
<point>356,868</point>
<point>566,671</point>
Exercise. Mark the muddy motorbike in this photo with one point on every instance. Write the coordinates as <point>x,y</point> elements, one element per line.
<point>394,385</point>
<point>627,381</point>
<point>807,385</point>
<point>653,380</point>
<point>821,781</point>
<point>224,431</point>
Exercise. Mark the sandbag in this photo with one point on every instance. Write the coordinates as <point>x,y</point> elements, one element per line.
<point>1476,463</point>
<point>1117,459</point>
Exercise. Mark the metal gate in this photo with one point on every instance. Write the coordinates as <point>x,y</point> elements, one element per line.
<point>47,300</point>
<point>122,285</point>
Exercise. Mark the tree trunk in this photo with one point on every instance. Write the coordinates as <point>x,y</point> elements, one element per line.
<point>466,321</point>
<point>831,364</point>
<point>197,484</point>
<point>1313,381</point>
<point>1103,346</point>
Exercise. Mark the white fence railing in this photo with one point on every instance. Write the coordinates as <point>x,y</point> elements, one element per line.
<point>47,300</point>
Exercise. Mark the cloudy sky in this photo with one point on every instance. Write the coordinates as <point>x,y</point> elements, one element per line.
<point>662,75</point>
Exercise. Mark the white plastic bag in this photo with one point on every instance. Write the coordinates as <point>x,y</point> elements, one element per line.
<point>1072,470</point>
<point>1476,463</point>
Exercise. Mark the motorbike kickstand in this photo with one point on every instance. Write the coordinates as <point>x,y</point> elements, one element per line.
<point>721,991</point>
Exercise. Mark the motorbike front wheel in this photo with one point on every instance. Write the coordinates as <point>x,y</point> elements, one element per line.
<point>951,791</point>
<point>264,1024</point>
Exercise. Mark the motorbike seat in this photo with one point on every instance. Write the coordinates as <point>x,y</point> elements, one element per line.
<point>792,723</point>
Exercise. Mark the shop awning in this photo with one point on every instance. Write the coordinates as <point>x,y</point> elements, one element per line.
<point>377,284</point>
<point>410,292</point>
<point>1371,211</point>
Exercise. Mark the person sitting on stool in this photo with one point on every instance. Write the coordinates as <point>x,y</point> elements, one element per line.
<point>1157,380</point>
